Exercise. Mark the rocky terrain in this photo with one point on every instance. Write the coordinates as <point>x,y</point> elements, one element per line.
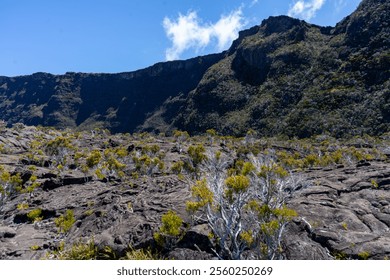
<point>347,215</point>
<point>343,205</point>
<point>283,77</point>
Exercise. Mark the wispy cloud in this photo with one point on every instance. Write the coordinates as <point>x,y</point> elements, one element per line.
<point>305,9</point>
<point>339,5</point>
<point>254,2</point>
<point>189,32</point>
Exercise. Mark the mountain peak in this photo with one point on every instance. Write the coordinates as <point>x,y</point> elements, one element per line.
<point>278,24</point>
<point>371,18</point>
<point>269,26</point>
<point>289,77</point>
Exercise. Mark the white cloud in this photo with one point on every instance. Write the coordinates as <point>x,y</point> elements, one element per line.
<point>305,9</point>
<point>227,28</point>
<point>254,2</point>
<point>188,32</point>
<point>339,5</point>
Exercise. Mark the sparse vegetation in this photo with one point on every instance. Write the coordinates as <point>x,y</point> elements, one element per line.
<point>35,247</point>
<point>170,230</point>
<point>65,222</point>
<point>35,215</point>
<point>364,255</point>
<point>9,184</point>
<point>246,209</point>
<point>22,206</point>
<point>249,180</point>
<point>141,254</point>
<point>90,251</point>
<point>78,251</point>
<point>197,156</point>
<point>93,159</point>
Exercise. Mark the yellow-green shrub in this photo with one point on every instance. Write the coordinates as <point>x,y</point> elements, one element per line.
<point>35,215</point>
<point>170,229</point>
<point>94,158</point>
<point>65,222</point>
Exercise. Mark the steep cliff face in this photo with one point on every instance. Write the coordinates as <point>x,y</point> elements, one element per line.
<point>288,77</point>
<point>292,78</point>
<point>283,77</point>
<point>119,102</point>
<point>367,26</point>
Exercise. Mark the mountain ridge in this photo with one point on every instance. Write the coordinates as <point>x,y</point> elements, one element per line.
<point>313,80</point>
<point>89,100</point>
<point>283,77</point>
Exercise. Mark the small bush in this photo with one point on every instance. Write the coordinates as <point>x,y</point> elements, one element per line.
<point>171,224</point>
<point>89,212</point>
<point>197,156</point>
<point>177,167</point>
<point>94,158</point>
<point>364,255</point>
<point>245,206</point>
<point>32,184</point>
<point>141,254</point>
<point>202,194</point>
<point>35,215</point>
<point>22,206</point>
<point>65,221</point>
<point>78,251</point>
<point>170,230</point>
<point>58,145</point>
<point>35,247</point>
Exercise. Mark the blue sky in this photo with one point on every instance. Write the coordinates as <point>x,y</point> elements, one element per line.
<point>58,36</point>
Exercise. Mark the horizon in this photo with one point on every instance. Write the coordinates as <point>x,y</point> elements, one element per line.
<point>124,36</point>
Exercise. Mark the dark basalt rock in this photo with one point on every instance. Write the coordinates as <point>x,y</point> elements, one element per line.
<point>119,102</point>
<point>334,217</point>
<point>343,210</point>
<point>7,232</point>
<point>283,77</point>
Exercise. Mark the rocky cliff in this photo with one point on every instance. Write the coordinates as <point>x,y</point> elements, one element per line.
<point>119,102</point>
<point>288,77</point>
<point>283,77</point>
